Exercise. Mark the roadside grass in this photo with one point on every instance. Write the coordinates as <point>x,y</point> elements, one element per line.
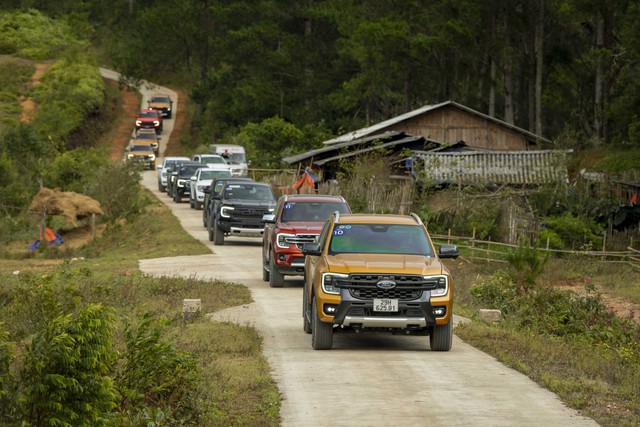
<point>234,385</point>
<point>590,379</point>
<point>601,380</point>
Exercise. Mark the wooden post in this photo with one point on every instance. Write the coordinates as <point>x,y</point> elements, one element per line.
<point>43,229</point>
<point>449,237</point>
<point>93,226</point>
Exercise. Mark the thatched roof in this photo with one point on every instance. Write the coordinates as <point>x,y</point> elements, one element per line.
<point>72,206</point>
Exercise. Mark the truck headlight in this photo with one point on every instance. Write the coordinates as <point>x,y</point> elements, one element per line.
<point>225,211</point>
<point>281,240</point>
<point>129,156</point>
<point>138,122</point>
<point>201,187</point>
<point>329,282</point>
<point>442,285</point>
<point>156,123</point>
<point>152,156</point>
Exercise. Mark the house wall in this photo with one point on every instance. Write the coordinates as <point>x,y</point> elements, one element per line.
<point>451,125</point>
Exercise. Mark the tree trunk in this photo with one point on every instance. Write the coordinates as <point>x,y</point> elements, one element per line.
<point>539,46</point>
<point>598,107</point>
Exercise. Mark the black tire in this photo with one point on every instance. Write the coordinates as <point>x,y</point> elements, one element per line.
<point>265,270</point>
<point>321,332</point>
<point>204,219</point>
<point>276,279</point>
<point>191,202</point>
<point>152,166</point>
<point>441,338</point>
<point>161,188</point>
<point>177,198</point>
<point>218,235</point>
<point>210,230</point>
<point>306,310</point>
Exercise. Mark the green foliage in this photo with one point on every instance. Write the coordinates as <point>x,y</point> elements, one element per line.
<point>33,35</point>
<point>528,263</point>
<point>268,142</point>
<point>70,91</point>
<point>498,291</point>
<point>155,376</point>
<point>74,170</point>
<point>14,193</point>
<point>117,188</point>
<point>571,232</point>
<point>65,377</point>
<point>560,313</point>
<point>619,162</point>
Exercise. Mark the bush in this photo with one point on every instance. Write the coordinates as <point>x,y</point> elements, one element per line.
<point>155,377</point>
<point>572,232</point>
<point>117,188</point>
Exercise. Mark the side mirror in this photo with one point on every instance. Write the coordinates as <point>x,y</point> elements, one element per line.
<point>448,251</point>
<point>311,249</point>
<point>159,166</point>
<point>193,178</point>
<point>269,218</point>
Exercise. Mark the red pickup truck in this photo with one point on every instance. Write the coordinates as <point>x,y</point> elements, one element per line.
<point>297,219</point>
<point>149,119</point>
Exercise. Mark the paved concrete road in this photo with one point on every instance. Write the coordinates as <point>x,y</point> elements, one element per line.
<point>368,379</point>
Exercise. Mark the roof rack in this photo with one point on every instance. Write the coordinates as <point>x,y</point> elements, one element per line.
<point>416,217</point>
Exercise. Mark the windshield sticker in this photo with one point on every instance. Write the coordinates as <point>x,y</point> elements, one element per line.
<point>288,205</point>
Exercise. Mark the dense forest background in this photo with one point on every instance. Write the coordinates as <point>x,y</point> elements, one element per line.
<point>280,76</point>
<point>565,69</point>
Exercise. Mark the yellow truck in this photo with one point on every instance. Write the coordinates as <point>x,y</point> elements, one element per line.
<point>377,273</point>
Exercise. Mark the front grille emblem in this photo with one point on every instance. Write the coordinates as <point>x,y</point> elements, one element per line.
<point>386,284</point>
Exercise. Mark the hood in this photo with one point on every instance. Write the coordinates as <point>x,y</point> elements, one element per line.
<point>241,203</point>
<point>311,227</point>
<point>387,263</point>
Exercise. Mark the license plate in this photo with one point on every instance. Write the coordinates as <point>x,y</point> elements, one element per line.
<point>385,304</point>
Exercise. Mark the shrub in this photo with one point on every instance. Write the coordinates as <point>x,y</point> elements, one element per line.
<point>117,188</point>
<point>156,377</point>
<point>575,232</point>
<point>65,378</point>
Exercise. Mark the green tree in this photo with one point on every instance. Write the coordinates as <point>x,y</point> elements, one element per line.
<point>528,264</point>
<point>65,377</point>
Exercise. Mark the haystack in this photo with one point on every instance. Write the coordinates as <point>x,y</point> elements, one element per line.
<point>68,204</point>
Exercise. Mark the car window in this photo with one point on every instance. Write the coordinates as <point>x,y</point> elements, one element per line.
<point>213,174</point>
<point>380,238</point>
<point>141,148</point>
<point>311,211</point>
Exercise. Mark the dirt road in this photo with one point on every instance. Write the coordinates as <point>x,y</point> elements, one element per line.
<point>366,380</point>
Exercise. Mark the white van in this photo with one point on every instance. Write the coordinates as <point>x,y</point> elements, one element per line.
<point>234,155</point>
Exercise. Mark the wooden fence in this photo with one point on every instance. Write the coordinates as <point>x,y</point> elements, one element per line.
<point>484,250</point>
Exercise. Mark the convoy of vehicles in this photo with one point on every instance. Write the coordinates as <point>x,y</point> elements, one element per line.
<point>361,272</point>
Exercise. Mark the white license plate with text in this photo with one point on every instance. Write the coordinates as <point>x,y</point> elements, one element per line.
<point>385,304</point>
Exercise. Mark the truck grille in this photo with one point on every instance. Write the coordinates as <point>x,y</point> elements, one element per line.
<point>300,239</point>
<point>408,287</point>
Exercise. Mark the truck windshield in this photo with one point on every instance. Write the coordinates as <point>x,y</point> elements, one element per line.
<point>248,192</point>
<point>379,239</point>
<point>311,211</point>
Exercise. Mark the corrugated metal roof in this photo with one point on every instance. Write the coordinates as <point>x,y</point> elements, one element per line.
<point>325,152</point>
<point>397,119</point>
<point>499,167</point>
